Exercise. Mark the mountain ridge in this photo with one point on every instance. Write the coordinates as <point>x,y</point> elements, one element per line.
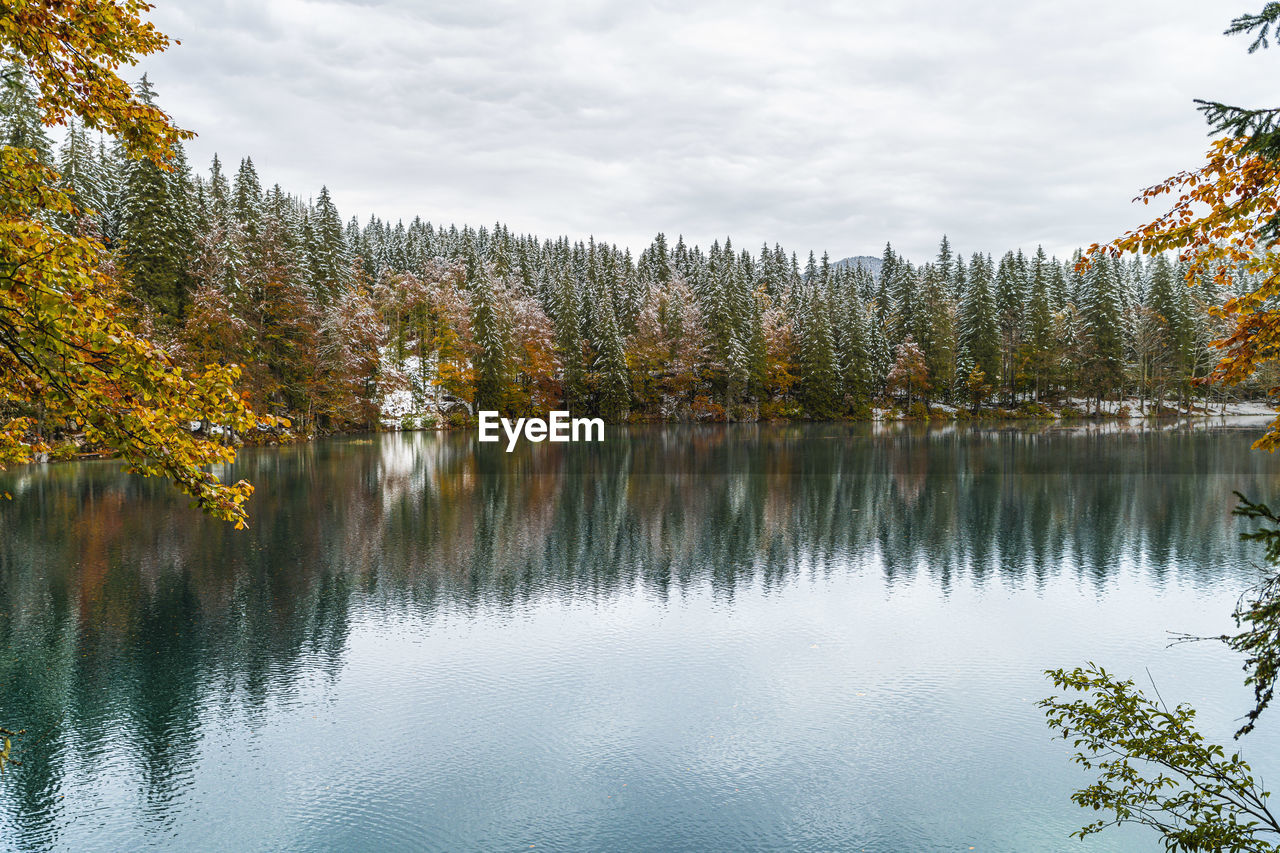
<point>868,262</point>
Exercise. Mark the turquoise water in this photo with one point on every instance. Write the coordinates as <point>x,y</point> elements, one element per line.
<point>723,638</point>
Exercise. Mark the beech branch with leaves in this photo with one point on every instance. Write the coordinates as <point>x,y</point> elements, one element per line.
<point>1156,769</point>
<point>63,349</point>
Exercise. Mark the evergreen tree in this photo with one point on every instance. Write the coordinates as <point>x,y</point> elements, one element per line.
<point>1011,299</point>
<point>569,345</point>
<point>945,270</point>
<point>246,204</point>
<point>494,357</point>
<point>1104,345</point>
<point>612,377</point>
<point>327,250</point>
<point>979,330</point>
<point>934,326</point>
<point>21,122</point>
<point>80,170</point>
<point>819,388</point>
<point>1169,298</point>
<point>902,287</point>
<point>156,229</point>
<point>854,353</point>
<point>1040,345</point>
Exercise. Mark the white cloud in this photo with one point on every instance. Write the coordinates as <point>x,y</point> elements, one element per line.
<point>818,125</point>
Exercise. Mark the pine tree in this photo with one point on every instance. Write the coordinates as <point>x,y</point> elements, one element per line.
<point>1059,289</point>
<point>1011,300</point>
<point>159,245</point>
<point>979,330</point>
<point>21,124</point>
<point>566,314</point>
<point>327,251</point>
<point>1039,347</point>
<point>612,377</point>
<point>1103,345</point>
<point>246,211</point>
<point>944,261</point>
<point>934,327</point>
<point>494,357</point>
<point>819,379</point>
<point>903,286</point>
<point>854,353</point>
<point>80,170</point>
<point>1170,300</point>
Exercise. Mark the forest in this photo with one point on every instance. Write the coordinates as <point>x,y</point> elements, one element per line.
<point>341,325</point>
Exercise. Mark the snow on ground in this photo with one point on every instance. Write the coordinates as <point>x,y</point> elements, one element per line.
<point>1200,409</point>
<point>401,408</point>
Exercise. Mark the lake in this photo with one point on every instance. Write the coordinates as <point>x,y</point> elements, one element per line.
<point>803,638</point>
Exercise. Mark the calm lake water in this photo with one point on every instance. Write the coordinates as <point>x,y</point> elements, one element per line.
<point>728,638</point>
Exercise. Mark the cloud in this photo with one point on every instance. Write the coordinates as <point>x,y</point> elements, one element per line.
<point>831,126</point>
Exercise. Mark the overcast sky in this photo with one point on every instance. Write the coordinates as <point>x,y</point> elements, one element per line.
<point>838,126</point>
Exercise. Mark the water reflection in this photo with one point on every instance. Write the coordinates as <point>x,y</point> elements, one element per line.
<point>128,621</point>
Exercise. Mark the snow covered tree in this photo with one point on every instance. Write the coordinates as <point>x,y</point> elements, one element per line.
<point>491,325</point>
<point>1170,299</point>
<point>326,252</point>
<point>350,337</point>
<point>819,387</point>
<point>854,355</point>
<point>979,331</point>
<point>610,377</point>
<point>1011,301</point>
<point>155,227</point>
<point>80,171</point>
<point>934,326</point>
<point>1103,360</point>
<point>1040,346</point>
<point>569,344</point>
<point>910,373</point>
<point>21,122</point>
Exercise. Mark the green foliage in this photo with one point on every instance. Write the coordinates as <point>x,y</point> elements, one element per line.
<point>979,333</point>
<point>21,122</point>
<point>1103,353</point>
<point>816,357</point>
<point>1155,769</point>
<point>156,227</point>
<point>1259,614</point>
<point>1259,127</point>
<point>494,367</point>
<point>230,273</point>
<point>610,375</point>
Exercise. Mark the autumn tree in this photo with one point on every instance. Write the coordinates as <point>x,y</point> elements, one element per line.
<point>349,338</point>
<point>537,388</point>
<point>910,372</point>
<point>1154,768</point>
<point>63,352</point>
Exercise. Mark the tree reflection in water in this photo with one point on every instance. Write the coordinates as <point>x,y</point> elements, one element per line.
<point>125,615</point>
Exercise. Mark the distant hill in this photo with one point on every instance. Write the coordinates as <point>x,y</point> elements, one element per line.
<point>864,261</point>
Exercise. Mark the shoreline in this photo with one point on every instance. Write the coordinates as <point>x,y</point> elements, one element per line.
<point>1114,413</point>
